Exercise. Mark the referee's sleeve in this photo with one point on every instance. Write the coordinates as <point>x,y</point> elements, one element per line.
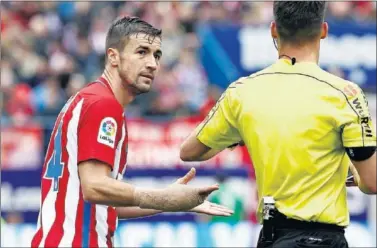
<point>356,123</point>
<point>219,128</point>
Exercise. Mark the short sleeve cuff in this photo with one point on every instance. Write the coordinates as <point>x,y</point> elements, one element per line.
<point>359,143</point>
<point>93,155</point>
<point>210,143</point>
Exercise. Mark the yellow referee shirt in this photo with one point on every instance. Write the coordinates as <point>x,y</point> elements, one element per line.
<point>295,121</point>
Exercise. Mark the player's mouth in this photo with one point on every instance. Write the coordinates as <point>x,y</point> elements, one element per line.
<point>149,76</point>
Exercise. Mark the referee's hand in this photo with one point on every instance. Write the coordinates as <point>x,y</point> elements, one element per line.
<point>353,179</point>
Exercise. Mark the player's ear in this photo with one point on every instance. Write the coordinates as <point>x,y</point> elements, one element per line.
<point>113,57</point>
<point>273,30</point>
<point>324,30</point>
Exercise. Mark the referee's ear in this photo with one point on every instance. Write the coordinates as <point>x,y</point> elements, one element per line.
<point>324,30</point>
<point>273,30</point>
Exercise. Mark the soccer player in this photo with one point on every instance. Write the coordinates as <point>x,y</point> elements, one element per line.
<point>298,123</point>
<point>82,194</point>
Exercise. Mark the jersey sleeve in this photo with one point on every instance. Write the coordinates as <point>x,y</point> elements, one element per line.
<point>219,128</point>
<point>355,119</point>
<point>99,131</point>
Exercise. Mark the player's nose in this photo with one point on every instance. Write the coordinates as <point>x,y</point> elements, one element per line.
<point>151,64</point>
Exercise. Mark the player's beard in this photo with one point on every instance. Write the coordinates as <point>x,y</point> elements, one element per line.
<point>140,87</point>
<point>136,86</point>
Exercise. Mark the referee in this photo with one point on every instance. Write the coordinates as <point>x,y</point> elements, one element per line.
<point>302,127</point>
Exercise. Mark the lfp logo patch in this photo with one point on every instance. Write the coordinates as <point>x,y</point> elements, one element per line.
<point>107,132</point>
<point>108,128</point>
<point>351,91</point>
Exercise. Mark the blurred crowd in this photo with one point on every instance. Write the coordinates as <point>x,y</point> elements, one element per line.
<point>52,49</point>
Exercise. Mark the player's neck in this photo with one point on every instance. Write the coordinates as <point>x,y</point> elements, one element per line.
<point>305,53</point>
<point>123,96</point>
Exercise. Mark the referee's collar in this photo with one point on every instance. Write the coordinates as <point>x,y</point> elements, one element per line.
<point>289,62</point>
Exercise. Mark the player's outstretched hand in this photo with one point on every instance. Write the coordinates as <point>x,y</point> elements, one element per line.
<point>206,207</point>
<point>186,178</point>
<point>176,197</point>
<point>212,209</point>
<point>203,191</point>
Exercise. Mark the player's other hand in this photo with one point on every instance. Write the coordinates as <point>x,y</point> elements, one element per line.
<point>210,208</point>
<point>206,207</point>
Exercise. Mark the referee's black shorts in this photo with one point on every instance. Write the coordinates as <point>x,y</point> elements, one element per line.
<point>291,233</point>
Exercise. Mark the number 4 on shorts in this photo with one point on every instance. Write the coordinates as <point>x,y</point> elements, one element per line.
<point>54,168</point>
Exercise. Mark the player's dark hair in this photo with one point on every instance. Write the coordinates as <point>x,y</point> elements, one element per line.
<point>122,29</point>
<point>299,22</point>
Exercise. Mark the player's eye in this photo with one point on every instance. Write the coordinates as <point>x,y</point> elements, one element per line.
<point>142,52</point>
<point>157,56</point>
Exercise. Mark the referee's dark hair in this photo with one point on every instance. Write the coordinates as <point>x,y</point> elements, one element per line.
<point>121,29</point>
<point>299,22</point>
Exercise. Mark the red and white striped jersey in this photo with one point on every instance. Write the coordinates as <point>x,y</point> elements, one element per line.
<point>90,126</point>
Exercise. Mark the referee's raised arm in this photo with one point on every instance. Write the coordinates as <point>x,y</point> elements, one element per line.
<point>298,123</point>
